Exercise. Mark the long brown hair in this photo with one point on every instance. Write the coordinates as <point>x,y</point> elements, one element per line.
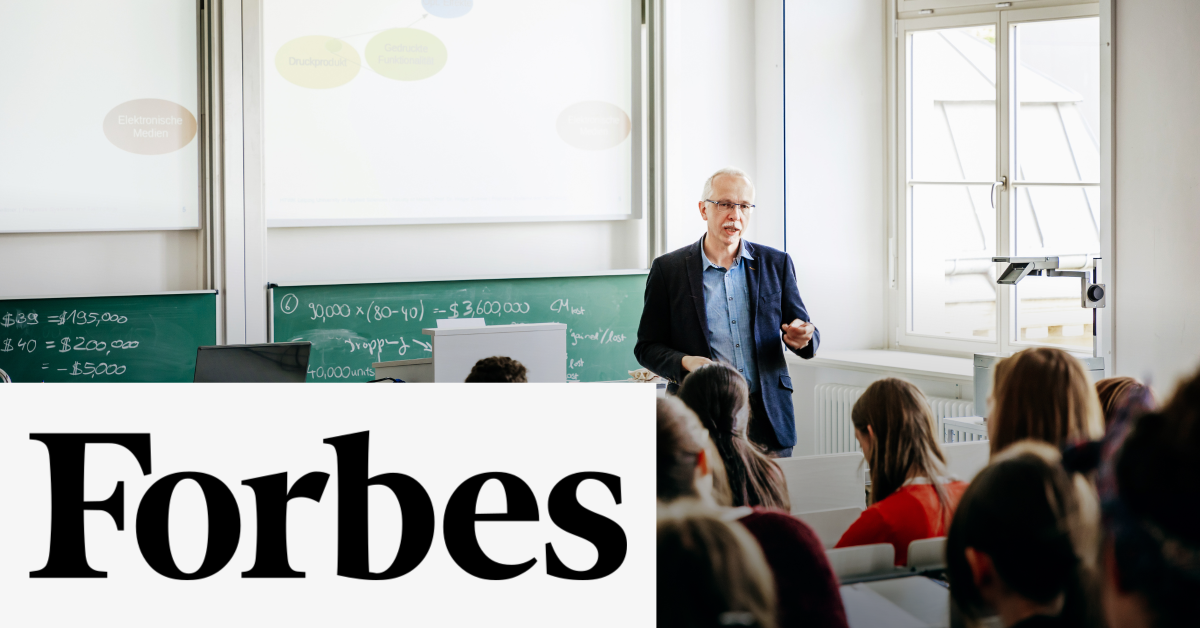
<point>904,427</point>
<point>1153,521</point>
<point>1043,394</point>
<point>1126,395</point>
<point>718,395</point>
<point>1040,527</point>
<point>681,439</point>
<point>710,572</point>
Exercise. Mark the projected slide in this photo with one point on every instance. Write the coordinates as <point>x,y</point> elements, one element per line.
<point>99,122</point>
<point>425,111</point>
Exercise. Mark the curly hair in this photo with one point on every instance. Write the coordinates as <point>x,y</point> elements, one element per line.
<point>497,369</point>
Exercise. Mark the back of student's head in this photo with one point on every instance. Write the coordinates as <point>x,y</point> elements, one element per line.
<point>718,395</point>
<point>1037,524</point>
<point>1043,394</point>
<point>682,442</point>
<point>710,573</point>
<point>1154,520</point>
<point>1123,398</point>
<point>497,369</point>
<point>897,414</point>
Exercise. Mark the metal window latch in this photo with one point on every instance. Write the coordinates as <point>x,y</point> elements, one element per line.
<point>1003,183</point>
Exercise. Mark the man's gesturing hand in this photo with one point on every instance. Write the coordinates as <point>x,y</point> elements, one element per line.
<point>798,333</point>
<point>693,362</point>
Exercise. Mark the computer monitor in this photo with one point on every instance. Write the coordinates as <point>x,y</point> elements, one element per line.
<point>274,362</point>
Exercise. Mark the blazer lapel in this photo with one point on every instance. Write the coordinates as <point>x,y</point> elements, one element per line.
<point>695,269</point>
<point>752,283</point>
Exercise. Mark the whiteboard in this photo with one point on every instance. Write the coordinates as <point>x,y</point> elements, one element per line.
<point>443,111</point>
<point>100,125</point>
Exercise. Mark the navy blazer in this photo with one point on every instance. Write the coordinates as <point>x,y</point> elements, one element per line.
<point>674,323</point>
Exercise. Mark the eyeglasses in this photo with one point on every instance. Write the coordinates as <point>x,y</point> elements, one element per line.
<point>727,206</point>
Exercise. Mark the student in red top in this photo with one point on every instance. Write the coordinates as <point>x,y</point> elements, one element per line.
<point>910,497</point>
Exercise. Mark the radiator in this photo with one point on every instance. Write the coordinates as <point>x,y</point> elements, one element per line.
<point>833,431</point>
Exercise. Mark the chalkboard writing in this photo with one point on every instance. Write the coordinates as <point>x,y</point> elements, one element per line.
<point>352,326</point>
<point>149,338</point>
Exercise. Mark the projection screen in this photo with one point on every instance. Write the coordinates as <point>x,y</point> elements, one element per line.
<point>442,111</point>
<point>100,125</point>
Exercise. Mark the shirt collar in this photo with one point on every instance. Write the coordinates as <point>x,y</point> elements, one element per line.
<point>742,253</point>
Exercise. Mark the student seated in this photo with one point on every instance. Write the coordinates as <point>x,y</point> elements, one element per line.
<point>718,395</point>
<point>1152,520</point>
<point>1043,394</point>
<point>710,572</point>
<point>1123,397</point>
<point>497,369</point>
<point>1023,543</point>
<point>911,498</point>
<point>689,469</point>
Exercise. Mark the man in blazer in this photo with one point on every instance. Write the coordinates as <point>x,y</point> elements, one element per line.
<point>724,299</point>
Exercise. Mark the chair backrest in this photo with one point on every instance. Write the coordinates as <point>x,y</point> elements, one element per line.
<point>965,460</point>
<point>825,482</point>
<point>862,560</point>
<point>925,554</point>
<point>830,524</point>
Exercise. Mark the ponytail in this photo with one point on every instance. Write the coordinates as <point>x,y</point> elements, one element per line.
<point>718,395</point>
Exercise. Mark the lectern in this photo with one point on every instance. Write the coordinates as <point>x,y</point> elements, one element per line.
<point>541,347</point>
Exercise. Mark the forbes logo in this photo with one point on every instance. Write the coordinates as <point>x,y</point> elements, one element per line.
<point>68,553</point>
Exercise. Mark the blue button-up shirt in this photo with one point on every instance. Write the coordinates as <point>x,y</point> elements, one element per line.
<point>727,306</point>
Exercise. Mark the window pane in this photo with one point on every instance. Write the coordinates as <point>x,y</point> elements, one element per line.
<point>952,104</point>
<point>1058,94</point>
<point>951,277</point>
<point>1057,83</point>
<point>1055,221</point>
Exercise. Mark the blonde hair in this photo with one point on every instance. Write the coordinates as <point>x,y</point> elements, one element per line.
<point>904,427</point>
<point>1043,394</point>
<point>710,572</point>
<point>681,438</point>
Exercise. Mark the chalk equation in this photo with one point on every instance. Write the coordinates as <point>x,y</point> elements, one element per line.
<point>351,329</point>
<point>88,345</point>
<point>372,312</point>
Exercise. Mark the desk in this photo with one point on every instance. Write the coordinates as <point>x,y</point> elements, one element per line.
<point>909,602</point>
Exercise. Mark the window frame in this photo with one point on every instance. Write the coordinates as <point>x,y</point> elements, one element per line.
<point>900,228</point>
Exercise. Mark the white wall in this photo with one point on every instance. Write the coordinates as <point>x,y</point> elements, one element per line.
<point>835,63</point>
<point>407,252</point>
<point>1157,190</point>
<point>710,108</point>
<point>59,264</point>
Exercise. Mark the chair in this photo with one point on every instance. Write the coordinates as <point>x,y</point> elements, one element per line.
<point>927,554</point>
<point>862,560</point>
<point>830,524</point>
<point>965,460</point>
<point>825,482</point>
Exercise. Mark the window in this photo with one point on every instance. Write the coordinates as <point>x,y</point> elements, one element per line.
<point>997,153</point>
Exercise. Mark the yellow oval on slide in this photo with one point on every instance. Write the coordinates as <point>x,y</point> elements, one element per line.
<point>593,125</point>
<point>150,126</point>
<point>317,62</point>
<point>406,54</point>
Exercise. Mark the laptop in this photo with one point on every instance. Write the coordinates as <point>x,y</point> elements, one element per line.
<point>274,362</point>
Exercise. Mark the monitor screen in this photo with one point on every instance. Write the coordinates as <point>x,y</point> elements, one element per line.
<point>275,362</point>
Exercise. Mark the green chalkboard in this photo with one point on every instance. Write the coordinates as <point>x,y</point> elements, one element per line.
<point>352,326</point>
<point>146,338</point>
